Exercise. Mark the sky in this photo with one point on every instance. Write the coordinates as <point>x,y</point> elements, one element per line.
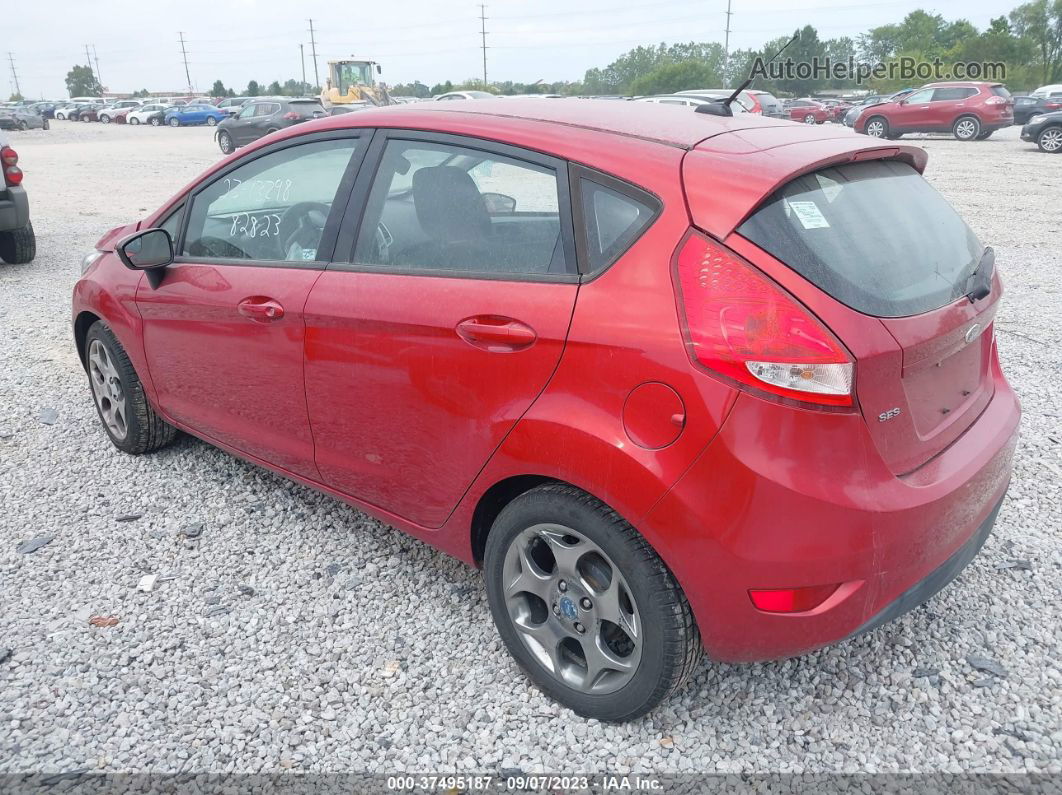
<point>137,43</point>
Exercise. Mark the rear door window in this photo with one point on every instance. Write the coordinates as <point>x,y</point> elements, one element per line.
<point>875,236</point>
<point>953,93</point>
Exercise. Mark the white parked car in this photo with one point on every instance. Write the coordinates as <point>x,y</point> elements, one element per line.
<point>1054,90</point>
<point>148,114</point>
<point>106,114</point>
<point>464,95</point>
<point>692,101</point>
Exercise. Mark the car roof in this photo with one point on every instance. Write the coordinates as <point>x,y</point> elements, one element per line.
<point>649,121</point>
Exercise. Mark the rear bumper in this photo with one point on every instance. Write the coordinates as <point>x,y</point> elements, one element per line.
<point>786,498</point>
<point>14,209</point>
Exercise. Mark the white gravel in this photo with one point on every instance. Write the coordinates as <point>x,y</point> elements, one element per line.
<point>294,632</point>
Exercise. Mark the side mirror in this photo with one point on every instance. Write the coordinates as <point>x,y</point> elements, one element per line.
<point>499,204</point>
<point>379,70</point>
<point>903,101</point>
<point>147,250</point>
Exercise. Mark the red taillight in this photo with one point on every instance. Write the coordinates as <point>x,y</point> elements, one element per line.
<point>13,175</point>
<point>792,600</point>
<point>292,116</point>
<point>1053,105</point>
<point>742,325</point>
<point>9,163</point>
<point>8,156</point>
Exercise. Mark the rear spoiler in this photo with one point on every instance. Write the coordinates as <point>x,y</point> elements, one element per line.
<point>728,176</point>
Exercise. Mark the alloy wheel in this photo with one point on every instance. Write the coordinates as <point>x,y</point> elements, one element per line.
<point>809,119</point>
<point>966,129</point>
<point>107,390</point>
<point>876,129</point>
<point>1051,139</point>
<point>572,609</point>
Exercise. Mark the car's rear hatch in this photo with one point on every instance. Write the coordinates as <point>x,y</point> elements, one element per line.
<point>879,251</point>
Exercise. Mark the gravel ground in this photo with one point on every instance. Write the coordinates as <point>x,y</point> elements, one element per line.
<point>290,631</point>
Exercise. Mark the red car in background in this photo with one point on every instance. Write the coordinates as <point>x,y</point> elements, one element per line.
<point>970,111</point>
<point>677,382</point>
<point>807,111</point>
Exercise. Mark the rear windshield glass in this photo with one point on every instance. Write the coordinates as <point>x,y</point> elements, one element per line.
<point>1000,91</point>
<point>873,235</point>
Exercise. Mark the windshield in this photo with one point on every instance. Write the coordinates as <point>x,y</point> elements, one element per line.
<point>875,236</point>
<point>352,74</point>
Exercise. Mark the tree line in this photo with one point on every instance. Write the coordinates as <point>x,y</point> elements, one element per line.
<point>1027,41</point>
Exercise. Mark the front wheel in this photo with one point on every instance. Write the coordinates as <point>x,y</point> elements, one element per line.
<point>46,125</point>
<point>105,119</point>
<point>809,119</point>
<point>225,143</point>
<point>585,605</point>
<point>22,125</point>
<point>127,417</point>
<point>877,128</point>
<point>211,121</point>
<point>966,129</point>
<point>1050,140</point>
<point>156,121</point>
<point>134,120</point>
<point>175,122</point>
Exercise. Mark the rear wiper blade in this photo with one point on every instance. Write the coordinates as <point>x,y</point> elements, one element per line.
<point>979,283</point>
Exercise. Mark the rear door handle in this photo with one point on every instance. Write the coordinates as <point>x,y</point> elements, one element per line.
<point>496,333</point>
<point>260,309</point>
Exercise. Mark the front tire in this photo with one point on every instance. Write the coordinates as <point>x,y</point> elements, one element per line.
<point>105,119</point>
<point>155,122</point>
<point>1050,140</point>
<point>134,120</point>
<point>585,605</point>
<point>225,143</point>
<point>175,122</point>
<point>211,121</point>
<point>18,246</point>
<point>966,128</point>
<point>877,127</point>
<point>129,420</point>
<point>22,125</point>
<point>810,119</point>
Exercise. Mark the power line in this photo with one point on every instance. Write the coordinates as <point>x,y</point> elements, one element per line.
<point>98,76</point>
<point>14,74</point>
<point>313,50</point>
<point>184,55</point>
<point>483,35</point>
<point>92,70</point>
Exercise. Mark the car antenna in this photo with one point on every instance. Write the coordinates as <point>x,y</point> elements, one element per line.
<point>722,107</point>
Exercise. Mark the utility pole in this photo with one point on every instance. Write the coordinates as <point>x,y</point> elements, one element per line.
<point>14,74</point>
<point>313,51</point>
<point>184,54</point>
<point>302,60</point>
<point>483,35</point>
<point>98,76</point>
<point>92,69</point>
<point>726,46</point>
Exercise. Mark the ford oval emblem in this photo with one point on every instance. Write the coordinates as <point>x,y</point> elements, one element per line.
<point>972,332</point>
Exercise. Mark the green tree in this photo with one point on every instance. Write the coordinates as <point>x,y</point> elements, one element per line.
<point>441,88</point>
<point>1041,23</point>
<point>619,76</point>
<point>274,89</point>
<point>672,77</point>
<point>218,89</point>
<point>253,89</point>
<point>142,93</point>
<point>806,48</point>
<point>81,82</point>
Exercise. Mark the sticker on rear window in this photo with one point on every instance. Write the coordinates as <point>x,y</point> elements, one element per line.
<point>809,215</point>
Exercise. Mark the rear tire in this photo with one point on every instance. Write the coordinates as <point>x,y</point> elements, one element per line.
<point>22,125</point>
<point>18,246</point>
<point>155,122</point>
<point>877,127</point>
<point>105,119</point>
<point>137,428</point>
<point>966,128</point>
<point>603,568</point>
<point>175,122</point>
<point>1050,139</point>
<point>809,119</point>
<point>134,120</point>
<point>211,121</point>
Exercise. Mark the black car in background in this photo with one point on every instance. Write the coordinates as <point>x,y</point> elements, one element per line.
<point>263,116</point>
<point>18,244</point>
<point>1027,107</point>
<point>1045,131</point>
<point>21,118</point>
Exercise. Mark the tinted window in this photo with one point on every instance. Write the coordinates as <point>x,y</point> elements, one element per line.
<point>953,93</point>
<point>917,97</point>
<point>443,207</point>
<point>273,208</point>
<point>873,235</point>
<point>613,222</point>
<point>1000,91</point>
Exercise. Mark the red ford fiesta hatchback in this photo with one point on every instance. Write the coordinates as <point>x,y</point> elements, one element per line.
<point>676,381</point>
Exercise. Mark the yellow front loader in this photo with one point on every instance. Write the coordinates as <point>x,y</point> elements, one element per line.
<point>353,81</point>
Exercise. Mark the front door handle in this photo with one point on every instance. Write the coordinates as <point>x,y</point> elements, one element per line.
<point>496,333</point>
<point>260,309</point>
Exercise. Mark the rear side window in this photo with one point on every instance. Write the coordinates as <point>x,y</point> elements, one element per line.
<point>954,92</point>
<point>613,221</point>
<point>1001,91</point>
<point>875,236</point>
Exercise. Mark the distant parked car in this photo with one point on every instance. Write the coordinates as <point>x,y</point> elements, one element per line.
<point>971,111</point>
<point>73,113</point>
<point>1054,90</point>
<point>232,105</point>
<point>693,100</point>
<point>18,244</point>
<point>452,95</point>
<point>195,114</point>
<point>89,113</point>
<point>148,114</point>
<point>1027,107</point>
<point>807,111</point>
<point>771,105</point>
<point>107,114</point>
<point>745,99</point>
<point>262,117</point>
<point>21,118</point>
<point>46,110</point>
<point>1045,131</point>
